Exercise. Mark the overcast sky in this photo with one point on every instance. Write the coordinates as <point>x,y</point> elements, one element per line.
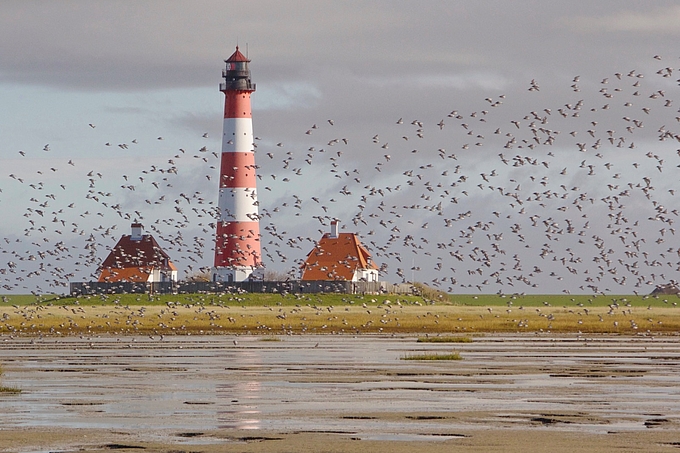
<point>536,152</point>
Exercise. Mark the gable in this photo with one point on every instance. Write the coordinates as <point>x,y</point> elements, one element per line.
<point>135,260</point>
<point>336,258</point>
<point>143,253</point>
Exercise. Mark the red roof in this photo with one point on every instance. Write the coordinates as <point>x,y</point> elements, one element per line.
<point>133,260</point>
<point>237,56</point>
<point>336,258</point>
<point>126,274</point>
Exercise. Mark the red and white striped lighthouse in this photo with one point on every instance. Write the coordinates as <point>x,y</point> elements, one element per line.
<point>237,241</point>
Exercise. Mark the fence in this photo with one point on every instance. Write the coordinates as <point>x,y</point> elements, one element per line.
<point>290,286</point>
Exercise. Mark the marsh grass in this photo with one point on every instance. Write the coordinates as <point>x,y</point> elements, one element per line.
<point>444,339</point>
<point>447,322</point>
<point>433,356</point>
<point>4,389</point>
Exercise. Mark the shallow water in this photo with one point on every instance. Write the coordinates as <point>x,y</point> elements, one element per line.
<point>357,386</point>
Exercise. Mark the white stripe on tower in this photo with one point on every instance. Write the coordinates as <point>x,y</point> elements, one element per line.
<point>237,242</point>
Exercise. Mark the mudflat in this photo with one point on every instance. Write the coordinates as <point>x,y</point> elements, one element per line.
<point>491,440</point>
<point>344,393</point>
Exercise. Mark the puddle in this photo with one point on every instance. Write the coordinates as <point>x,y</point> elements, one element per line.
<point>411,437</point>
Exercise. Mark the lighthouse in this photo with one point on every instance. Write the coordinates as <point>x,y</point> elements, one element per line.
<point>237,239</point>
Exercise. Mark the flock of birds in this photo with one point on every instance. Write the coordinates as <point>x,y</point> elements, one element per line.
<point>511,196</point>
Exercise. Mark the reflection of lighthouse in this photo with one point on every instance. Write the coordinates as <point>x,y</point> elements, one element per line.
<point>241,394</point>
<point>240,409</point>
<point>237,241</point>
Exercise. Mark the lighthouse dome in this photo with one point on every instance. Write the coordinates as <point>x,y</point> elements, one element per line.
<point>236,73</point>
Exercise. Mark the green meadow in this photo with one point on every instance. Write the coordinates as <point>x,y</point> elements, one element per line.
<point>259,299</point>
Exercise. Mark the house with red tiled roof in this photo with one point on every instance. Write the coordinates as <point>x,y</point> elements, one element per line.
<point>138,258</point>
<point>339,256</point>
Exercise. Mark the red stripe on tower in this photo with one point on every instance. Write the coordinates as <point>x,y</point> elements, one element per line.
<point>237,240</point>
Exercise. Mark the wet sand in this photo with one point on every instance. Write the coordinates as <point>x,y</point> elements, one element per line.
<point>340,393</point>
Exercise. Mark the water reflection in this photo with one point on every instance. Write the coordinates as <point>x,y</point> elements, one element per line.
<point>241,393</point>
<point>240,400</point>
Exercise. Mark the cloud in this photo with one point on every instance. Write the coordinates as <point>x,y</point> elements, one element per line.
<point>463,81</point>
<point>101,45</point>
<point>286,96</point>
<point>658,21</point>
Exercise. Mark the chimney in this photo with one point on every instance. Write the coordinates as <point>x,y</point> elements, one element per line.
<point>334,228</point>
<point>137,229</point>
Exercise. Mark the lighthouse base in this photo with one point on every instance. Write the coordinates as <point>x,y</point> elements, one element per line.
<point>237,274</point>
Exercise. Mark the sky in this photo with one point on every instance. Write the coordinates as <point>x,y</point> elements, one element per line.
<point>476,146</point>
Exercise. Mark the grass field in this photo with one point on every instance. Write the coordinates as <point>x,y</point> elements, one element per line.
<point>274,314</point>
<point>486,300</point>
<point>247,300</point>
